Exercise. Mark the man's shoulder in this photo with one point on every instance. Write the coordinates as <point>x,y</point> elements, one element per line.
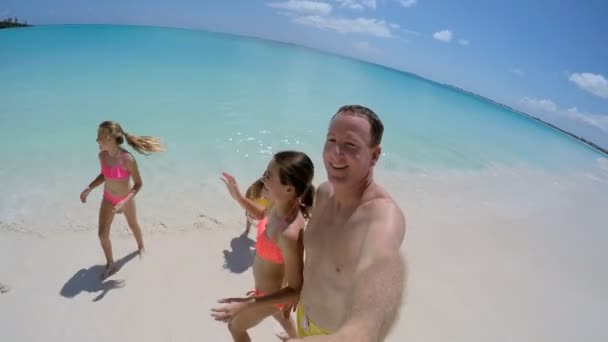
<point>378,201</point>
<point>381,209</point>
<point>381,213</point>
<point>324,191</point>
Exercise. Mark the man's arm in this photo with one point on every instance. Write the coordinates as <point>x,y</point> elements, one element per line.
<point>377,292</point>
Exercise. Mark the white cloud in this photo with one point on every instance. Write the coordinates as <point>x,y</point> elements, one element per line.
<point>367,26</point>
<point>595,84</point>
<point>443,36</point>
<point>303,6</point>
<point>516,71</point>
<point>600,121</point>
<point>358,4</point>
<point>407,3</point>
<point>365,48</point>
<point>545,106</point>
<point>318,14</point>
<point>287,14</point>
<point>406,31</point>
<point>537,105</point>
<point>464,42</point>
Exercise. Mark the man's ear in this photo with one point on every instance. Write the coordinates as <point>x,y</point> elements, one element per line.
<point>376,154</point>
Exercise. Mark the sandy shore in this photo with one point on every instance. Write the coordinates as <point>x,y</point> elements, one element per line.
<point>56,294</point>
<point>492,257</point>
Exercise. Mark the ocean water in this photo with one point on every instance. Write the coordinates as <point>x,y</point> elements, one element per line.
<point>506,217</point>
<point>226,103</point>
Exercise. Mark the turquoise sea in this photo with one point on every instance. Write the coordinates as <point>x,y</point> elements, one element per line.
<point>506,217</point>
<point>223,102</point>
<point>196,88</point>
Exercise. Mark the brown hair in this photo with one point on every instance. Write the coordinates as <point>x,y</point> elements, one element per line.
<point>296,169</point>
<point>141,144</point>
<point>255,189</point>
<point>376,126</point>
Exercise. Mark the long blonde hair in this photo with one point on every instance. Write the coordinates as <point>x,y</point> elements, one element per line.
<point>255,190</point>
<point>142,144</point>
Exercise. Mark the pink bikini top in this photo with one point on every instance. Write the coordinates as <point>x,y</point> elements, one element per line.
<point>114,172</point>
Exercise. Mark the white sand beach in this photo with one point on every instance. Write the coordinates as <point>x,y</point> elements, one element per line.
<point>502,255</point>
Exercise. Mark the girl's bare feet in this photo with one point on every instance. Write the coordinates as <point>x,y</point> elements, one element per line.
<point>110,269</point>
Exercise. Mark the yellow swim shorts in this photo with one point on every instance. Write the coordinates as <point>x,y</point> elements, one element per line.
<point>305,326</point>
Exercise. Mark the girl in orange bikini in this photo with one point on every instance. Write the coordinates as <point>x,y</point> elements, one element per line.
<point>279,256</point>
<point>117,168</point>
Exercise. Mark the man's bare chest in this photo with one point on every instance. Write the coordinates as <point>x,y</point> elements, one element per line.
<point>334,243</point>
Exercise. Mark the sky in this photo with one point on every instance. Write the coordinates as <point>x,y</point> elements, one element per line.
<point>546,58</point>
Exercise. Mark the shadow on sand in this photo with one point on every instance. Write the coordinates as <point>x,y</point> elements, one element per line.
<point>89,280</point>
<point>241,257</point>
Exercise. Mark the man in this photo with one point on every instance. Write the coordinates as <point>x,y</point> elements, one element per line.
<point>354,274</point>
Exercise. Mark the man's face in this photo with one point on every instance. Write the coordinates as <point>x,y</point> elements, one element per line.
<point>347,154</point>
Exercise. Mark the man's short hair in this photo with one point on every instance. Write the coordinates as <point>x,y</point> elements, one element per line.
<point>376,126</point>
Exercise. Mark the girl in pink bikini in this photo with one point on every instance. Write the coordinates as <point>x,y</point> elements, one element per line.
<point>279,259</point>
<point>117,168</point>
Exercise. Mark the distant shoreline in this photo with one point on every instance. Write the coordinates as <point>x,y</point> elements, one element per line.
<point>572,135</point>
<point>12,22</point>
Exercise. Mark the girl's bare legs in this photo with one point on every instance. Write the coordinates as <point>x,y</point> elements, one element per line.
<point>131,216</point>
<point>106,216</point>
<point>246,320</point>
<point>287,324</point>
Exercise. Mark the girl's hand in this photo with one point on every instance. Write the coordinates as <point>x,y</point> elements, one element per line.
<point>84,194</point>
<point>118,209</point>
<point>230,182</point>
<point>231,308</point>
